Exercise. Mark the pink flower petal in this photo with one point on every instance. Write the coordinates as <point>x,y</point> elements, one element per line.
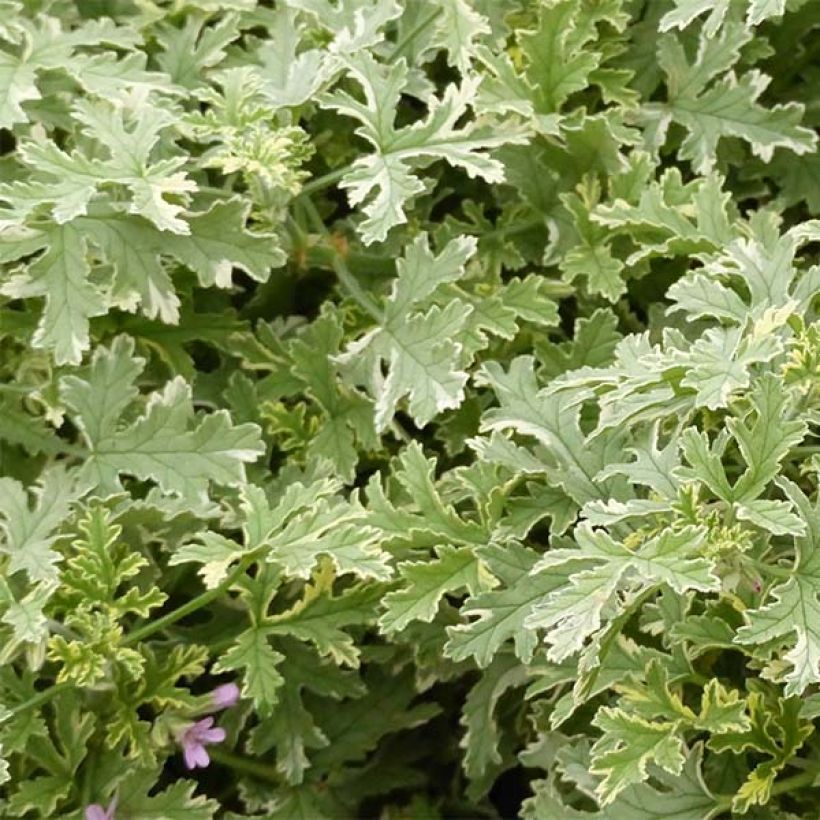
<point>225,696</point>
<point>193,741</point>
<point>201,756</point>
<point>189,752</point>
<point>212,735</point>
<point>96,812</point>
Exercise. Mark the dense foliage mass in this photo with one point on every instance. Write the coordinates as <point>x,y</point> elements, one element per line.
<point>409,409</point>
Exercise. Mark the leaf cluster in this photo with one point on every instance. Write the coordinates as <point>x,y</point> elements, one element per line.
<point>444,374</point>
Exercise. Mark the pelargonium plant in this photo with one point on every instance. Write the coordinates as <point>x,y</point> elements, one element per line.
<point>409,409</point>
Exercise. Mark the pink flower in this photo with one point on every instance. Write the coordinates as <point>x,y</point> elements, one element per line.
<point>225,696</point>
<point>96,812</point>
<point>193,741</point>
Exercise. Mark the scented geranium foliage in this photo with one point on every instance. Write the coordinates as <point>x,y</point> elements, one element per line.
<point>409,409</point>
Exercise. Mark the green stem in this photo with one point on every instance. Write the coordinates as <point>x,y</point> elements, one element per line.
<point>797,781</point>
<point>322,182</point>
<point>144,632</point>
<point>193,605</point>
<point>774,571</point>
<point>374,266</point>
<point>332,177</point>
<point>40,698</point>
<point>219,647</point>
<point>697,678</point>
<point>509,230</point>
<point>243,764</point>
<point>789,784</point>
<point>345,276</point>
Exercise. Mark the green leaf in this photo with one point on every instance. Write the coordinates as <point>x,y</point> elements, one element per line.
<point>352,735</point>
<point>627,747</point>
<point>685,11</point>
<point>217,241</point>
<point>684,796</point>
<point>564,55</point>
<point>775,516</point>
<point>648,694</point>
<point>384,180</point>
<point>30,532</point>
<point>652,467</point>
<point>319,617</point>
<point>546,802</point>
<point>177,802</point>
<point>721,710</point>
<point>558,64</point>
<point>290,75</point>
<point>42,794</point>
<point>161,445</point>
<point>214,552</point>
<point>354,25</point>
<point>602,270</point>
<point>765,441</point>
<point>574,612</point>
<point>310,521</point>
<point>552,420</point>
<point>99,587</point>
<point>291,730</point>
<point>98,565</point>
<point>4,768</point>
<point>668,217</point>
<point>728,107</point>
<point>69,181</point>
<point>188,51</point>
<point>529,298</point>
<point>775,731</point>
<point>299,803</point>
<point>417,344</point>
<point>593,343</point>
<point>21,427</point>
<point>425,583</point>
<point>706,462</point>
<point>17,86</point>
<point>61,276</point>
<point>793,613</point>
<point>457,28</point>
<point>25,616</point>
<point>718,367</point>
<point>46,46</point>
<point>416,474</point>
<point>348,415</point>
<point>60,755</point>
<point>500,614</point>
<point>253,655</point>
<point>481,736</point>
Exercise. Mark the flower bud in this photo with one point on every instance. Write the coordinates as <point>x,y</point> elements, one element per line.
<point>225,696</point>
